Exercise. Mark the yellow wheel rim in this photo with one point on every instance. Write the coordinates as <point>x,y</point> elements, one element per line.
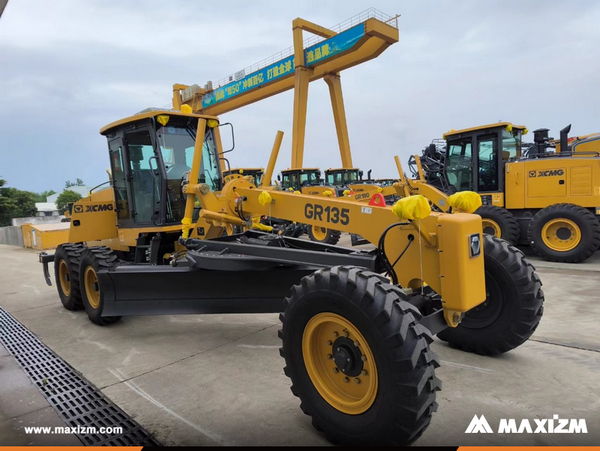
<point>320,233</point>
<point>92,287</point>
<point>340,363</point>
<point>561,235</point>
<point>63,277</point>
<point>491,227</point>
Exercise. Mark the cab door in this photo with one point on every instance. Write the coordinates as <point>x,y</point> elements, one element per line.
<point>459,164</point>
<point>487,176</point>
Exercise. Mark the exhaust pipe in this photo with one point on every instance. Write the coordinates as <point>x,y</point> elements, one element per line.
<point>564,139</point>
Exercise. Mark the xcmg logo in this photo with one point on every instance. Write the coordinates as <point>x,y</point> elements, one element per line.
<point>548,173</point>
<point>93,208</point>
<point>554,425</point>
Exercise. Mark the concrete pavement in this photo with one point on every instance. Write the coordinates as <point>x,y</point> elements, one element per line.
<point>200,380</point>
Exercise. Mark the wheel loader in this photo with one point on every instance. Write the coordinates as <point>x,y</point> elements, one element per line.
<point>356,325</point>
<point>548,197</point>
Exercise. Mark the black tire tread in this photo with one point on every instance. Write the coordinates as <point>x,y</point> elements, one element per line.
<point>72,255</point>
<point>531,299</point>
<point>105,259</point>
<point>397,323</point>
<point>511,231</point>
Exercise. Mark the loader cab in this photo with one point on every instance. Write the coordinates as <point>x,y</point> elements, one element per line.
<point>475,157</point>
<point>342,177</point>
<point>151,156</point>
<point>296,179</point>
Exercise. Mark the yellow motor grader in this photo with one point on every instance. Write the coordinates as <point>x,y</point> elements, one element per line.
<point>356,325</point>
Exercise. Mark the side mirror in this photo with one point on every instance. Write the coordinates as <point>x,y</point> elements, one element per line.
<point>229,145</point>
<point>278,178</point>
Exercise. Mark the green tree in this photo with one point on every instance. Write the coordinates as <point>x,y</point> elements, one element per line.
<point>15,203</point>
<point>77,182</point>
<point>65,198</point>
<point>41,197</point>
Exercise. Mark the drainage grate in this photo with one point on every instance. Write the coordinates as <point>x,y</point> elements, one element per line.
<point>77,402</point>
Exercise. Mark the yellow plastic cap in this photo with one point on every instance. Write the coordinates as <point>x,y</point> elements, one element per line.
<point>187,226</point>
<point>162,119</point>
<point>328,193</point>
<point>256,224</point>
<point>412,207</point>
<point>265,198</point>
<point>346,192</point>
<point>465,201</point>
<point>212,123</point>
<point>186,109</point>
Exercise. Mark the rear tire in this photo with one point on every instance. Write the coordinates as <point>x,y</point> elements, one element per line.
<point>95,259</point>
<point>66,274</point>
<point>323,235</point>
<point>564,233</point>
<point>499,222</point>
<point>392,403</point>
<point>513,308</point>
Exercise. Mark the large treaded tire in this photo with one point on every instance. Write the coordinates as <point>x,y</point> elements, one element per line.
<point>332,236</point>
<point>512,310</point>
<point>504,219</point>
<point>587,223</point>
<point>71,254</point>
<point>405,397</point>
<point>97,258</point>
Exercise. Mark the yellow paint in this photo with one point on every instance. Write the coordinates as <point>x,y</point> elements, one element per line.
<point>561,234</point>
<point>45,236</point>
<point>491,227</point>
<point>349,395</point>
<point>91,287</point>
<point>482,127</point>
<point>457,267</point>
<point>546,181</point>
<point>63,277</point>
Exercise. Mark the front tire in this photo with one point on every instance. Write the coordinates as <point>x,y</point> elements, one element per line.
<point>499,222</point>
<point>66,274</point>
<point>564,233</point>
<point>95,259</point>
<point>358,358</point>
<point>323,235</point>
<point>513,307</point>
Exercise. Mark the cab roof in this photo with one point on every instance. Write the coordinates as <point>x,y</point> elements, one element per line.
<point>148,113</point>
<point>483,127</point>
<point>341,169</point>
<point>245,169</point>
<point>300,169</point>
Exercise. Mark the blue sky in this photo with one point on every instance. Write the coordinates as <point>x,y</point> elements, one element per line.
<point>69,67</point>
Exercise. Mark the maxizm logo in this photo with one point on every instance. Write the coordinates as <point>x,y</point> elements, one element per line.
<point>554,425</point>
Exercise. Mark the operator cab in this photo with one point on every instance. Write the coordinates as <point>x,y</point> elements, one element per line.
<point>342,177</point>
<point>475,157</point>
<point>151,155</point>
<point>255,173</point>
<point>296,179</point>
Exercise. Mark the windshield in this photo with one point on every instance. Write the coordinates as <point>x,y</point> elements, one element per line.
<point>311,178</point>
<point>342,177</point>
<point>459,168</point>
<point>176,144</point>
<point>511,144</point>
